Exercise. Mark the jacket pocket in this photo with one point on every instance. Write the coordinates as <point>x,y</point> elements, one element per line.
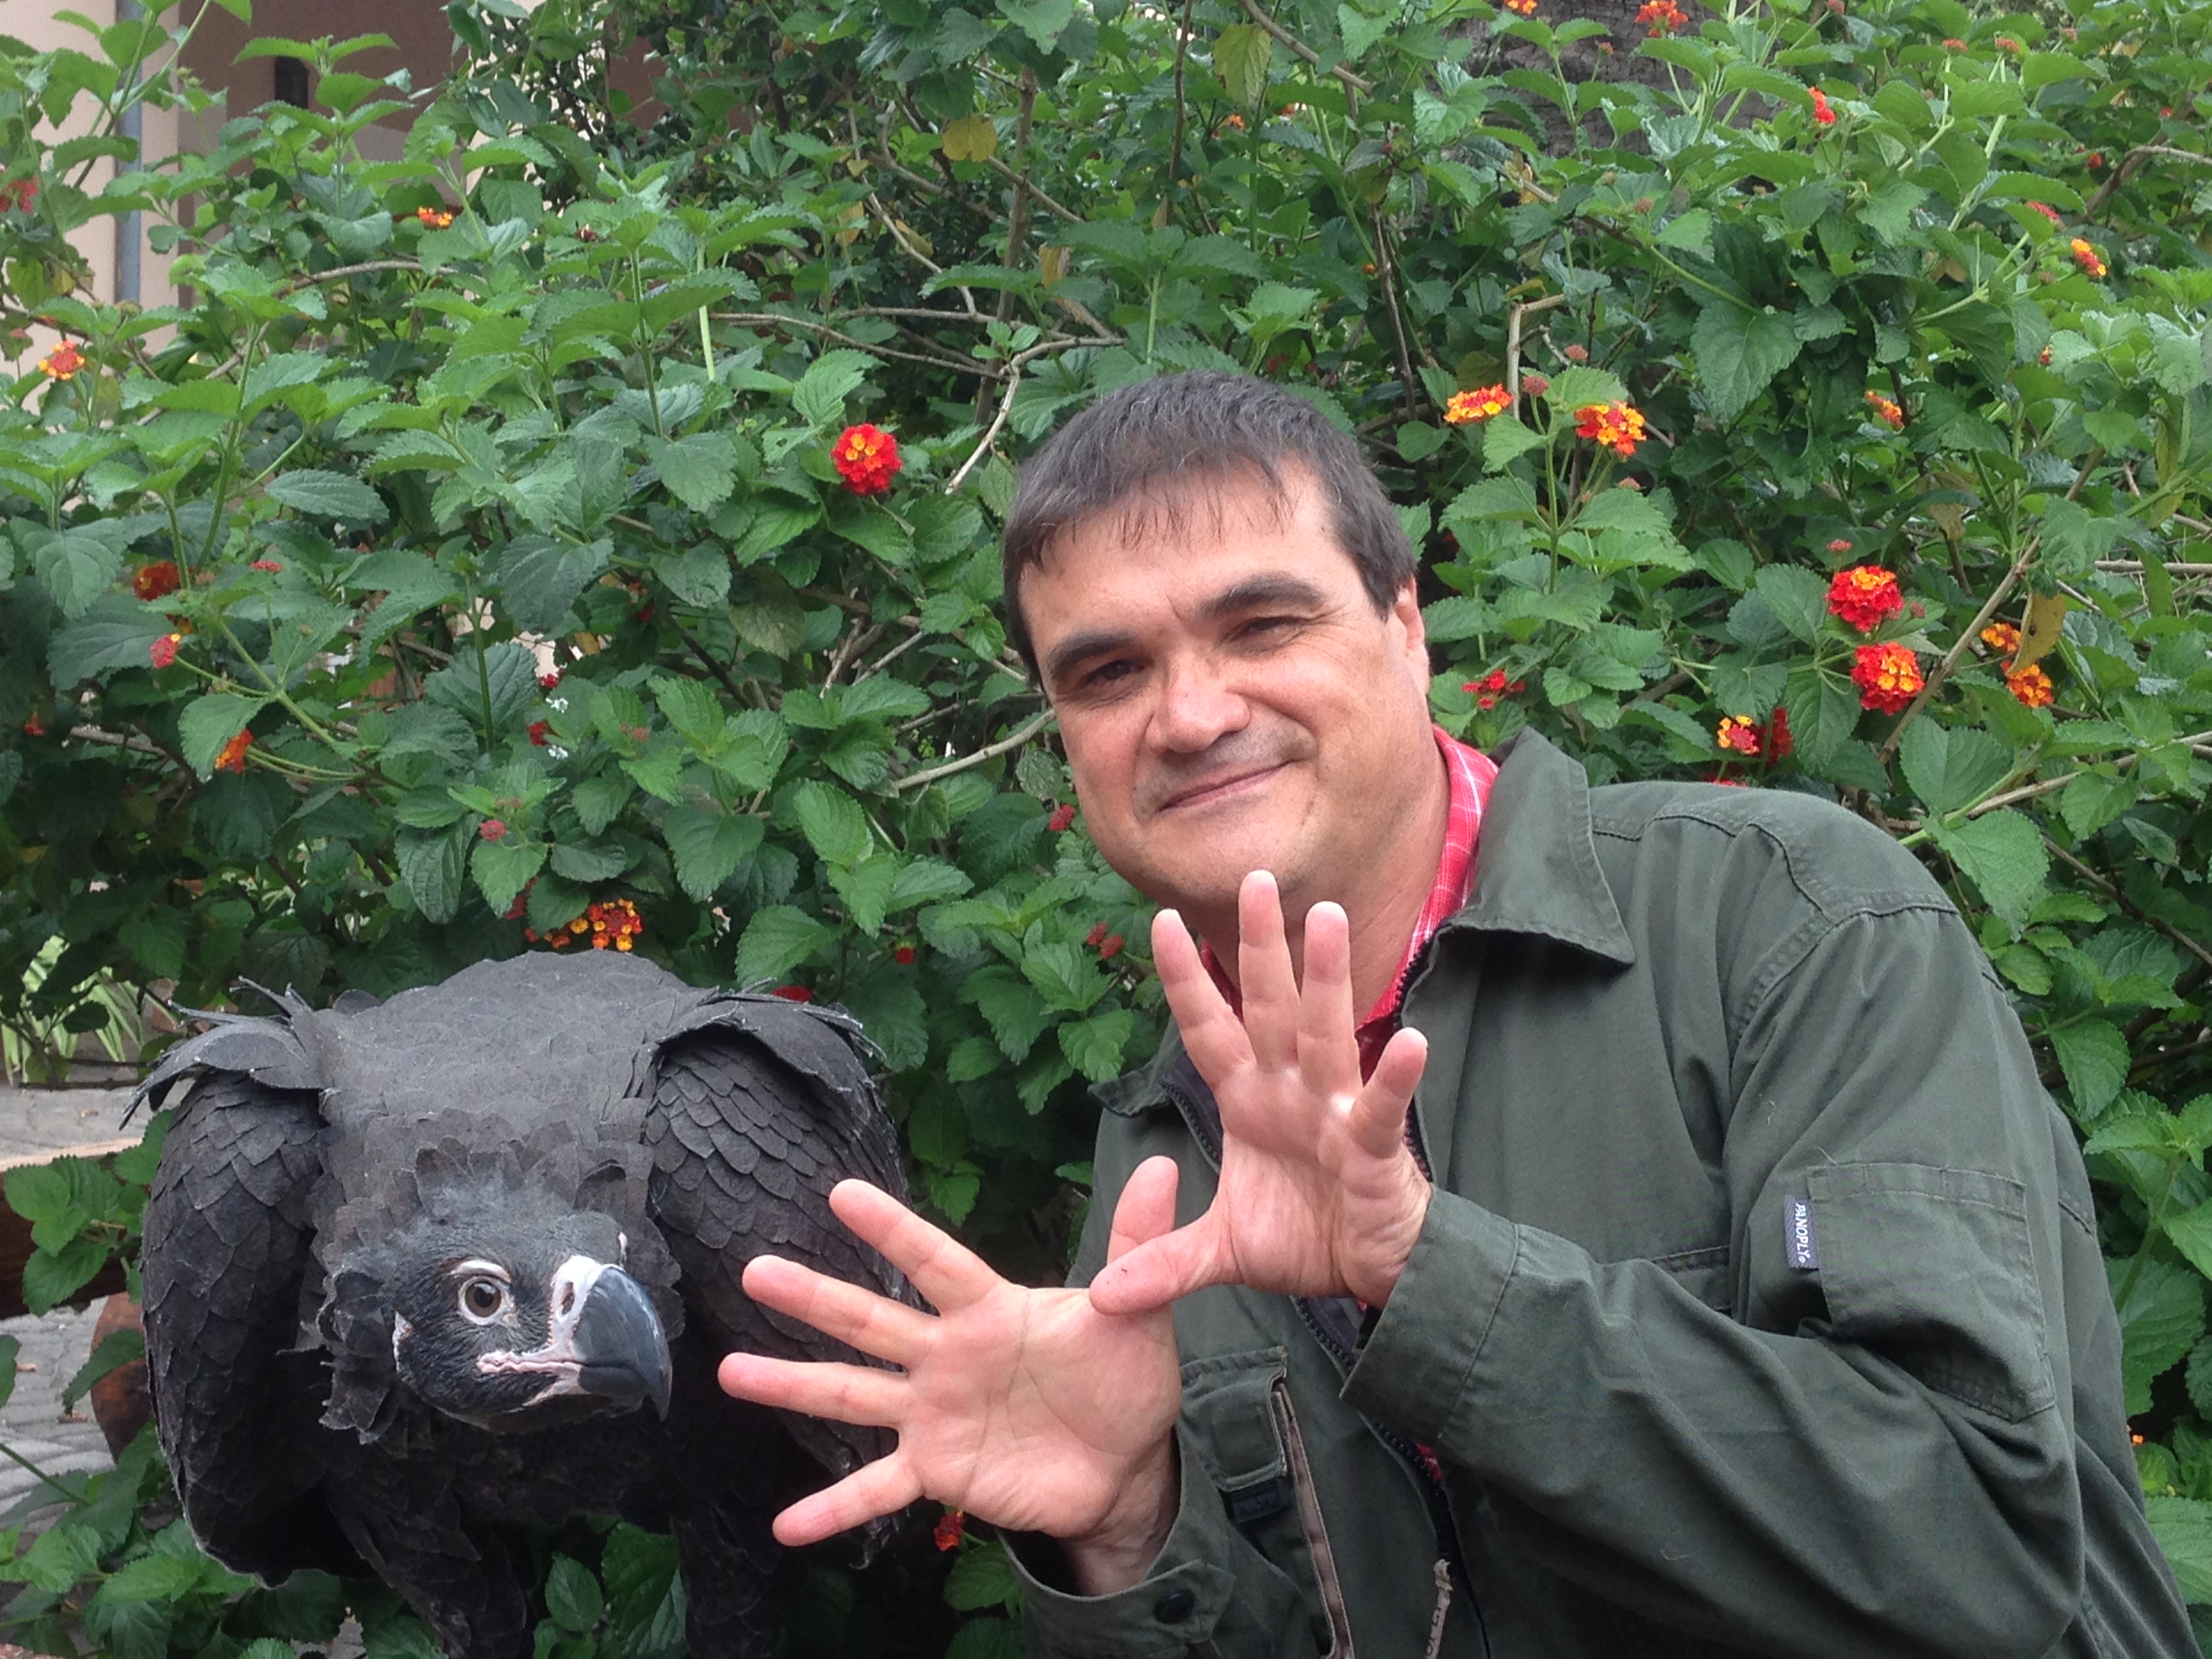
<point>1933,1269</point>
<point>1237,1410</point>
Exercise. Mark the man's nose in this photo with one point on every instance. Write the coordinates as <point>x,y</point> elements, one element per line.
<point>1198,706</point>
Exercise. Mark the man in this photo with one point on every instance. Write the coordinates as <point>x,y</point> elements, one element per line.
<point>1730,1284</point>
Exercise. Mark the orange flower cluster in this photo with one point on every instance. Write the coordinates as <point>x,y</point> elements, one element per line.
<point>1953,43</point>
<point>1740,734</point>
<point>867,458</point>
<point>1888,409</point>
<point>2002,638</point>
<point>1522,8</point>
<point>2032,686</point>
<point>1481,405</point>
<point>1661,16</point>
<point>1616,426</point>
<point>1821,113</point>
<point>62,363</point>
<point>1864,596</point>
<point>608,922</point>
<point>232,757</point>
<point>156,581</point>
<point>2086,257</point>
<point>434,218</point>
<point>946,1535</point>
<point>1888,675</point>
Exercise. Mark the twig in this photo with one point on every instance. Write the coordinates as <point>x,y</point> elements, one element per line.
<point>1407,380</point>
<point>1528,308</point>
<point>777,320</point>
<point>895,651</point>
<point>991,752</point>
<point>1252,10</point>
<point>2030,791</point>
<point>2125,902</point>
<point>1007,172</point>
<point>2135,567</point>
<point>849,647</point>
<point>1183,109</point>
<point>707,662</point>
<point>1018,217</point>
<point>2130,164</point>
<point>913,249</point>
<point>339,273</point>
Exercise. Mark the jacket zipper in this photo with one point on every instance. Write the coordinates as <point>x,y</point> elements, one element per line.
<point>1432,1492</point>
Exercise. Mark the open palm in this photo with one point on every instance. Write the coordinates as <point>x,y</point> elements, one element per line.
<point>1029,1408</point>
<point>1319,1194</point>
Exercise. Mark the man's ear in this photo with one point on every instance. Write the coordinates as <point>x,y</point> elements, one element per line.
<point>1406,611</point>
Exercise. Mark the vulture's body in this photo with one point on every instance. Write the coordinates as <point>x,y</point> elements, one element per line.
<point>424,1272</point>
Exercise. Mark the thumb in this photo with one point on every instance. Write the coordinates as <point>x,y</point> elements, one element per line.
<point>1149,1275</point>
<point>1147,1206</point>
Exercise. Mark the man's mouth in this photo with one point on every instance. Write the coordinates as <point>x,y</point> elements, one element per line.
<point>1206,793</point>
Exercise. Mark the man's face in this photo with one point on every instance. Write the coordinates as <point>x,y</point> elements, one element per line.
<point>1230,697</point>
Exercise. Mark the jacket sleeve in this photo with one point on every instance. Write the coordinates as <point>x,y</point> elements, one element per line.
<point>1208,1588</point>
<point>1872,1453</point>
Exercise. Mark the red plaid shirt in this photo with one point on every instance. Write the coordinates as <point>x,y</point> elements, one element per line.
<point>1469,772</point>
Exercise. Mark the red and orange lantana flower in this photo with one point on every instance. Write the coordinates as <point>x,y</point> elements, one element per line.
<point>1481,405</point>
<point>1888,409</point>
<point>232,757</point>
<point>1661,16</point>
<point>2032,686</point>
<point>157,580</point>
<point>62,363</point>
<point>2086,256</point>
<point>1888,675</point>
<point>867,458</point>
<point>1864,596</point>
<point>1617,426</point>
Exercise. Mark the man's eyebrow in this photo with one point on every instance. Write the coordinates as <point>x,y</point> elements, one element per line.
<point>1258,593</point>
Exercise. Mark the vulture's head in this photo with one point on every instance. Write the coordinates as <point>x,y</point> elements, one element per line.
<point>512,1325</point>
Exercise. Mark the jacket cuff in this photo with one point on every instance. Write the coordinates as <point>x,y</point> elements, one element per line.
<point>1204,1568</point>
<point>1413,1367</point>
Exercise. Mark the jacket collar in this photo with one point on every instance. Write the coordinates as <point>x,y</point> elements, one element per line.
<point>1535,871</point>
<point>1535,866</point>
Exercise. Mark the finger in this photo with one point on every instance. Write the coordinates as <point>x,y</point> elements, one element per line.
<point>1264,975</point>
<point>1152,1274</point>
<point>1378,1117</point>
<point>882,1487</point>
<point>1211,1033</point>
<point>874,1324</point>
<point>945,1272</point>
<point>849,1393</point>
<point>1147,1206</point>
<point>1328,1047</point>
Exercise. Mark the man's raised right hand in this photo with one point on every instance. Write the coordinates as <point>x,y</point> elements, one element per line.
<point>1028,1408</point>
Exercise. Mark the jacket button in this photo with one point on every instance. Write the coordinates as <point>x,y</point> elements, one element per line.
<point>1175,1606</point>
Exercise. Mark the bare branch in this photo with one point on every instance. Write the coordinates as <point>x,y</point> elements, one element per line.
<point>991,752</point>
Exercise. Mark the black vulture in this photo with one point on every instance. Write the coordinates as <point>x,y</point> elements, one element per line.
<point>424,1273</point>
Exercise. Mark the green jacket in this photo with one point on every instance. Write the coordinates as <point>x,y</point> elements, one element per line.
<point>1759,1307</point>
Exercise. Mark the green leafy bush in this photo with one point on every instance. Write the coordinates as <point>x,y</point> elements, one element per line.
<point>1657,337</point>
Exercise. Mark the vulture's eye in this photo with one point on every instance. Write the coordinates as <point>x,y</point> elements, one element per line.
<point>483,1300</point>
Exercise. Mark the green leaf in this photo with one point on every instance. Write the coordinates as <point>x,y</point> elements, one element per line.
<point>434,867</point>
<point>329,496</point>
<point>982,1577</point>
<point>208,723</point>
<point>866,889</point>
<point>1951,767</point>
<point>1066,974</point>
<point>503,868</point>
<point>540,578</point>
<point>699,470</point>
<point>63,1556</point>
<point>776,940</point>
<point>2002,855</point>
<point>1011,1006</point>
<point>114,631</point>
<point>2094,1058</point>
<point>37,1192</point>
<point>1738,353</point>
<point>52,1277</point>
<point>1043,20</point>
<point>2160,1322</point>
<point>1503,438</point>
<point>820,395</point>
<point>708,846</point>
<point>2183,1527</point>
<point>832,821</point>
<point>1242,53</point>
<point>1094,1046</point>
<point>1798,598</point>
<point>573,1597</point>
<point>2192,1236</point>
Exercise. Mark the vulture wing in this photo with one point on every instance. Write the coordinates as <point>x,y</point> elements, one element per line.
<point>759,1108</point>
<point>227,1239</point>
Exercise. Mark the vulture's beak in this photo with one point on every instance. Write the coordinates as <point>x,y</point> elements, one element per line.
<point>621,1352</point>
